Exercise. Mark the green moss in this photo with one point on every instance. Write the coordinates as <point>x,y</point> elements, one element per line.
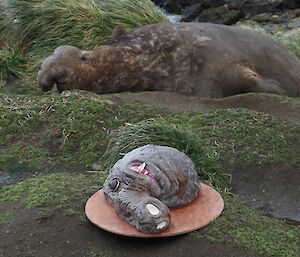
<point>5,218</point>
<point>39,131</point>
<point>279,99</point>
<point>242,226</point>
<point>57,190</point>
<point>291,40</point>
<point>47,132</point>
<point>240,135</point>
<point>252,25</point>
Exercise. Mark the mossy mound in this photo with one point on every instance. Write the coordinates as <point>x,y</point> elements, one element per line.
<point>43,132</point>
<point>39,132</point>
<point>242,135</point>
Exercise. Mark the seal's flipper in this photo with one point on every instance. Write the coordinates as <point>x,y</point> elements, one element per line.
<point>270,86</point>
<point>260,85</point>
<point>117,33</point>
<point>243,79</point>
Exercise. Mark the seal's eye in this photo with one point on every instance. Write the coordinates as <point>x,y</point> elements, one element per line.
<point>85,58</point>
<point>114,184</point>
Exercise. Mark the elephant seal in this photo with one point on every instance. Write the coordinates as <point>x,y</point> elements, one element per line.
<point>146,182</point>
<point>199,59</point>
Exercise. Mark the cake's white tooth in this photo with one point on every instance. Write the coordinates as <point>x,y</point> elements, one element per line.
<point>161,225</point>
<point>142,167</point>
<point>152,209</point>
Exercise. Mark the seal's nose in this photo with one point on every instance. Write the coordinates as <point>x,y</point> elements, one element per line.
<point>44,84</point>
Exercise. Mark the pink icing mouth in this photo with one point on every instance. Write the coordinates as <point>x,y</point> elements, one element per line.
<point>143,170</point>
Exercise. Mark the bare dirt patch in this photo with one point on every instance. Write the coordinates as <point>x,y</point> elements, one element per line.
<point>53,234</point>
<point>272,190</point>
<point>286,109</point>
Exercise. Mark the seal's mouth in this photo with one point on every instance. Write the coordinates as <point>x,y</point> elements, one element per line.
<point>143,170</point>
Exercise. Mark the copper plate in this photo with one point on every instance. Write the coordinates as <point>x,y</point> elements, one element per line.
<point>204,209</point>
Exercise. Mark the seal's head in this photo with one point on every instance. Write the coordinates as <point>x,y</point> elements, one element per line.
<point>131,192</point>
<point>67,67</point>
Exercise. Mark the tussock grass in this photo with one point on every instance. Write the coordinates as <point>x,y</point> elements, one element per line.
<point>161,132</point>
<point>5,21</point>
<point>12,64</point>
<point>82,23</point>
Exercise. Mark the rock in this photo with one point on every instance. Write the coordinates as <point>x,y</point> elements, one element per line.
<point>297,13</point>
<point>273,15</point>
<point>190,13</point>
<point>175,6</point>
<point>295,23</point>
<point>262,17</point>
<point>290,4</point>
<point>267,17</point>
<point>178,6</point>
<point>213,3</point>
<point>220,15</point>
<point>172,7</point>
<point>276,19</point>
<point>251,8</point>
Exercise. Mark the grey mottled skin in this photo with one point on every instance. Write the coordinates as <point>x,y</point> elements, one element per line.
<point>174,183</point>
<point>199,59</point>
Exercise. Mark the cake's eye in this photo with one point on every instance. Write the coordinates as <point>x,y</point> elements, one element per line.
<point>114,184</point>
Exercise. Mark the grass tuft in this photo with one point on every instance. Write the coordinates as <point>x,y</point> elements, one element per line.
<point>12,64</point>
<point>291,40</point>
<point>47,24</point>
<point>161,132</point>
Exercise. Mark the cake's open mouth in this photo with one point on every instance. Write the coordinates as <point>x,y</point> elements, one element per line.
<point>143,170</point>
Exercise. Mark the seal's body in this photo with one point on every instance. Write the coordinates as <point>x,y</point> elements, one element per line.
<point>146,181</point>
<point>199,59</point>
